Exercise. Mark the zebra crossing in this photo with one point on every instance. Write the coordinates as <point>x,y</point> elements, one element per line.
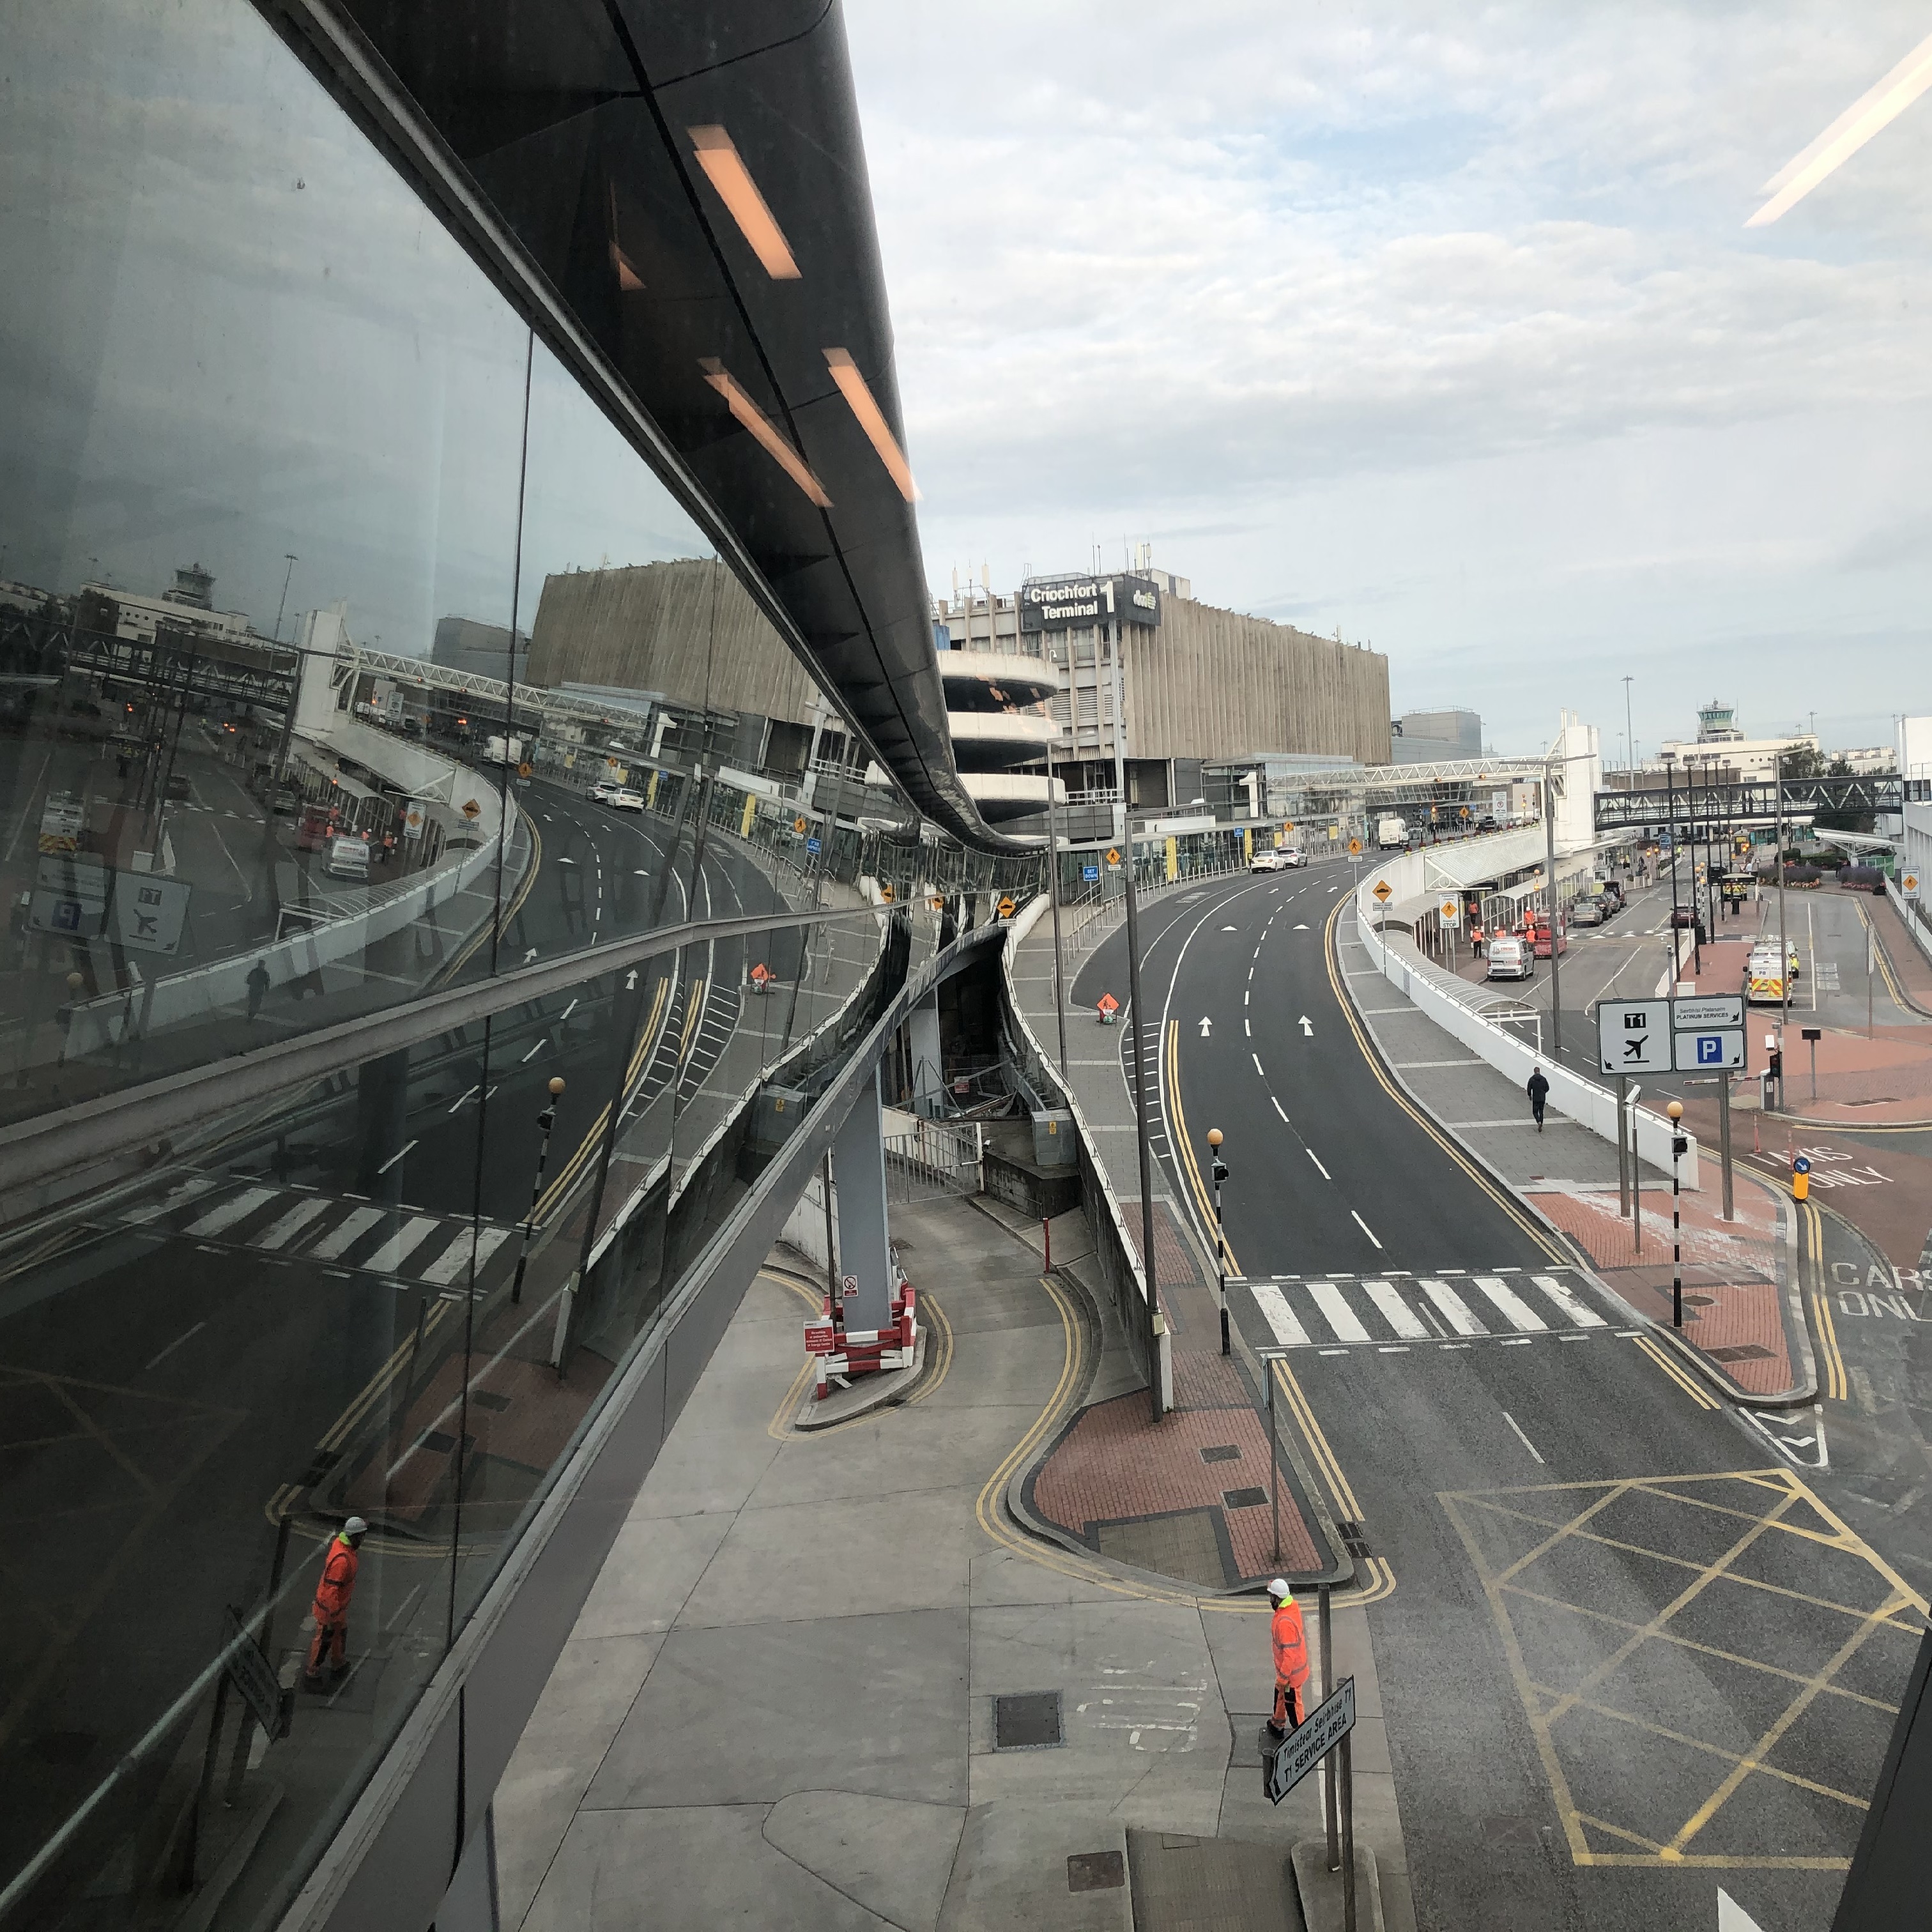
<point>1397,1310</point>
<point>293,1223</point>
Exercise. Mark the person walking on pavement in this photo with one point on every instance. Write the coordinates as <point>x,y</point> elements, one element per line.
<point>1539,1092</point>
<point>333,1595</point>
<point>1291,1659</point>
<point>258,986</point>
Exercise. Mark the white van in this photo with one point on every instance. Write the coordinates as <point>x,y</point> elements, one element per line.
<point>1509,959</point>
<point>348,859</point>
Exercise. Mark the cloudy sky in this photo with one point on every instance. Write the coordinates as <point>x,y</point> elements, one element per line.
<point>1439,324</point>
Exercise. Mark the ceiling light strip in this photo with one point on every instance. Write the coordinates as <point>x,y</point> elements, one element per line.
<point>752,418</point>
<point>871,420</point>
<point>725,170</point>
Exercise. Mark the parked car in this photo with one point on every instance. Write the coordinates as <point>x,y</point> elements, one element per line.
<point>348,859</point>
<point>601,793</point>
<point>1293,855</point>
<point>626,801</point>
<point>1587,912</point>
<point>1509,959</point>
<point>1487,823</point>
<point>1265,862</point>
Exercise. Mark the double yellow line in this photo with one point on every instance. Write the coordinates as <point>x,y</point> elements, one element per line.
<point>525,886</point>
<point>1682,1376</point>
<point>1557,1255</point>
<point>1834,1386</point>
<point>569,1173</point>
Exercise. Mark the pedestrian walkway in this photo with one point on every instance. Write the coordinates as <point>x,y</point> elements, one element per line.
<point>828,1681</point>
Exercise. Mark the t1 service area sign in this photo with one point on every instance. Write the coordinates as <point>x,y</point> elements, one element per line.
<point>1633,1036</point>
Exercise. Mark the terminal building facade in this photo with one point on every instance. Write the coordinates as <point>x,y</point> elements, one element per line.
<point>350,320</point>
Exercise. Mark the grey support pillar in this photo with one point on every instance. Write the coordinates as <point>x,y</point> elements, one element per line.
<point>922,1048</point>
<point>858,1171</point>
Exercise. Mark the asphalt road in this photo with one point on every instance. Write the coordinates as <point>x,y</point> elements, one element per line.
<point>180,1360</point>
<point>1630,1651</point>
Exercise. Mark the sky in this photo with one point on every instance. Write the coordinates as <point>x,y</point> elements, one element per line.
<point>1438,325</point>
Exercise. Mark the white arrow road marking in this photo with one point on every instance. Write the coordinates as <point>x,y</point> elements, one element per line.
<point>1301,928</point>
<point>529,956</point>
<point>630,981</point>
<point>1206,1023</point>
<point>1229,929</point>
<point>1307,1031</point>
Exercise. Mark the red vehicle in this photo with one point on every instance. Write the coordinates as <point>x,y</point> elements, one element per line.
<point>315,827</point>
<point>1537,933</point>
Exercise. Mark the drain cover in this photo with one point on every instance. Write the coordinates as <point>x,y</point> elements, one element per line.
<point>1026,1720</point>
<point>1222,1452</point>
<point>1244,1498</point>
<point>1095,1871</point>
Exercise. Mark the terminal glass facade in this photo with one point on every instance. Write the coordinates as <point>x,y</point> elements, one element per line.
<point>271,428</point>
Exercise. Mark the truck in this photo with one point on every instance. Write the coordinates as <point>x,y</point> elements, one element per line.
<point>498,751</point>
<point>1391,834</point>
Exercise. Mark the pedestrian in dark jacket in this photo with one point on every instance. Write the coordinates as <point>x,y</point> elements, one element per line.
<point>1539,1092</point>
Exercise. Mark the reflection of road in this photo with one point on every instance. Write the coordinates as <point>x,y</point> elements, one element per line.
<point>260,1324</point>
<point>1630,1650</point>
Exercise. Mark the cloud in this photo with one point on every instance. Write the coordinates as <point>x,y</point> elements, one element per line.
<point>1444,316</point>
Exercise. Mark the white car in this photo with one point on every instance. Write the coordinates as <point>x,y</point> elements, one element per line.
<point>348,859</point>
<point>1265,862</point>
<point>626,801</point>
<point>1292,856</point>
<point>601,793</point>
<point>1510,958</point>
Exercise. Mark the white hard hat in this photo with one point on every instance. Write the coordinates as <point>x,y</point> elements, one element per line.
<point>1278,1588</point>
<point>356,1526</point>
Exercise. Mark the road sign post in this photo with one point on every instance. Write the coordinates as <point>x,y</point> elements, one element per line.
<point>1144,1152</point>
<point>1218,1168</point>
<point>1678,1144</point>
<point>1813,1035</point>
<point>1329,1728</point>
<point>1623,1155</point>
<point>1329,1819</point>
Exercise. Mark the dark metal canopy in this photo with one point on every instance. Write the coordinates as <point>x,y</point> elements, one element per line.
<point>561,139</point>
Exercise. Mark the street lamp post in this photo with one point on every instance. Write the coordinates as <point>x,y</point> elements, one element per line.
<point>1678,1145</point>
<point>1630,738</point>
<point>1549,861</point>
<point>1218,1170</point>
<point>1140,1130</point>
<point>281,608</point>
<point>547,1120</point>
<point>1676,904</point>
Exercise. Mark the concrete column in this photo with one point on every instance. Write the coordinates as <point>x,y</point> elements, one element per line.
<point>921,1027</point>
<point>859,1175</point>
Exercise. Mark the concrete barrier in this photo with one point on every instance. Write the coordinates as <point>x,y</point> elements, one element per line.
<point>1576,1099</point>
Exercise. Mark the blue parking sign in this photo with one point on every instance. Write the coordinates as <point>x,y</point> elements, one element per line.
<point>1710,1049</point>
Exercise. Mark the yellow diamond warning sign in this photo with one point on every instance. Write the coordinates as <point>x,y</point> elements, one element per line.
<point>798,825</point>
<point>1382,890</point>
<point>1113,857</point>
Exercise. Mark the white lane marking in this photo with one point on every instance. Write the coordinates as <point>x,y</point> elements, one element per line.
<point>454,1258</point>
<point>244,1204</point>
<point>1248,1030</point>
<point>1584,1316</point>
<point>1395,1311</point>
<point>345,1234</point>
<point>533,1052</point>
<point>1520,1435</point>
<point>461,1098</point>
<point>1246,996</point>
<point>177,1196</point>
<point>1278,1316</point>
<point>1257,1059</point>
<point>1318,1167</point>
<point>200,1325</point>
<point>1335,1308</point>
<point>1449,1305</point>
<point>1365,1228</point>
<point>396,1156</point>
<point>403,1242</point>
<point>1278,1108</point>
<point>1516,1311</point>
<point>284,1230</point>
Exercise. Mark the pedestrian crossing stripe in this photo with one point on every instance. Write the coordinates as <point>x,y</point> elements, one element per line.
<point>1302,1312</point>
<point>407,1245</point>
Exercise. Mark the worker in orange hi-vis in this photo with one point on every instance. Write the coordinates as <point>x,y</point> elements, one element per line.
<point>1291,1659</point>
<point>332,1597</point>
